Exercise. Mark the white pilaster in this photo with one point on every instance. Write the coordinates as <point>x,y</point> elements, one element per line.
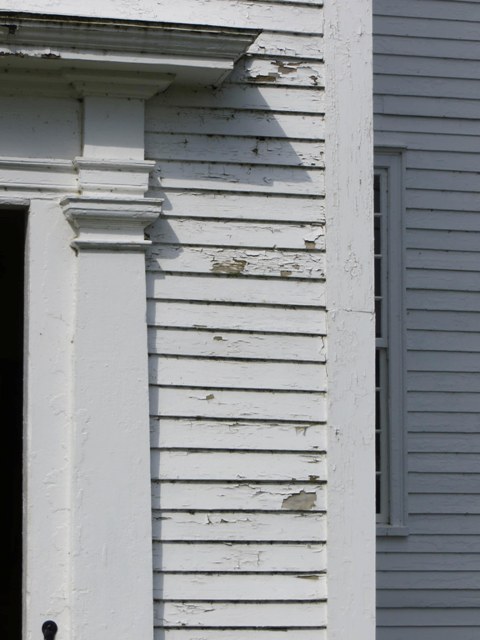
<point>111,538</point>
<point>111,565</point>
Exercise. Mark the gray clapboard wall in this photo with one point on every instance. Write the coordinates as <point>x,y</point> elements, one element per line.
<point>236,331</point>
<point>427,98</point>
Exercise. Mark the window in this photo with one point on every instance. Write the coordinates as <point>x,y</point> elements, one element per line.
<point>389,357</point>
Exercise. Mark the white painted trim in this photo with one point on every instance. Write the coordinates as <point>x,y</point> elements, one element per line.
<point>37,174</point>
<point>111,537</point>
<point>193,54</point>
<point>350,319</point>
<point>49,305</point>
<point>110,224</point>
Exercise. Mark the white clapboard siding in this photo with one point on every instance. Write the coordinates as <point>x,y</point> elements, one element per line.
<point>230,122</point>
<point>236,330</point>
<point>264,496</point>
<point>237,317</point>
<point>305,560</point>
<point>239,526</point>
<point>244,206</point>
<point>289,44</point>
<point>177,464</point>
<point>230,403</point>
<point>194,148</point>
<point>290,72</point>
<point>253,586</point>
<point>427,87</point>
<point>241,97</point>
<point>220,288</point>
<point>234,344</point>
<point>237,234</point>
<point>239,614</point>
<point>236,434</point>
<point>250,178</point>
<point>236,374</point>
<point>279,15</point>
<point>247,634</point>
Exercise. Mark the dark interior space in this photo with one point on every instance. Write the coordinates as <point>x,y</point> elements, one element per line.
<point>12,255</point>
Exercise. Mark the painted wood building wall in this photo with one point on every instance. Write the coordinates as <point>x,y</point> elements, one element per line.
<point>259,305</point>
<point>426,87</point>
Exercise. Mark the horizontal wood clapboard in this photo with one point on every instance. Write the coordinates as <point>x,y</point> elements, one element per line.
<point>237,337</point>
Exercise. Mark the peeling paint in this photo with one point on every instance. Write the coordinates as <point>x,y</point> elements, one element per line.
<point>285,274</point>
<point>301,500</point>
<point>271,77</point>
<point>231,267</point>
<point>287,67</point>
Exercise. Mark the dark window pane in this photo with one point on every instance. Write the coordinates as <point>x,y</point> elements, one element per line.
<point>377,409</point>
<point>377,493</point>
<point>377,235</point>
<point>378,318</point>
<point>376,193</point>
<point>378,276</point>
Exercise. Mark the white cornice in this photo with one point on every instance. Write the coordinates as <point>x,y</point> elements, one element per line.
<point>51,44</point>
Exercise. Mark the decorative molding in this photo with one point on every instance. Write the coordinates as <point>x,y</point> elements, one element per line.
<point>127,178</point>
<point>117,84</point>
<point>110,224</point>
<point>37,175</point>
<point>191,54</point>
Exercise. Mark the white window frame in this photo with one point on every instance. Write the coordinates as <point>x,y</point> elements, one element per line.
<point>389,164</point>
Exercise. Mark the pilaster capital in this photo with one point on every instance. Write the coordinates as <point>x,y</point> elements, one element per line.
<point>110,224</point>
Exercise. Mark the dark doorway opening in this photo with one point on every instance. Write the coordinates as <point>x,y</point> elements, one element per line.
<point>12,260</point>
